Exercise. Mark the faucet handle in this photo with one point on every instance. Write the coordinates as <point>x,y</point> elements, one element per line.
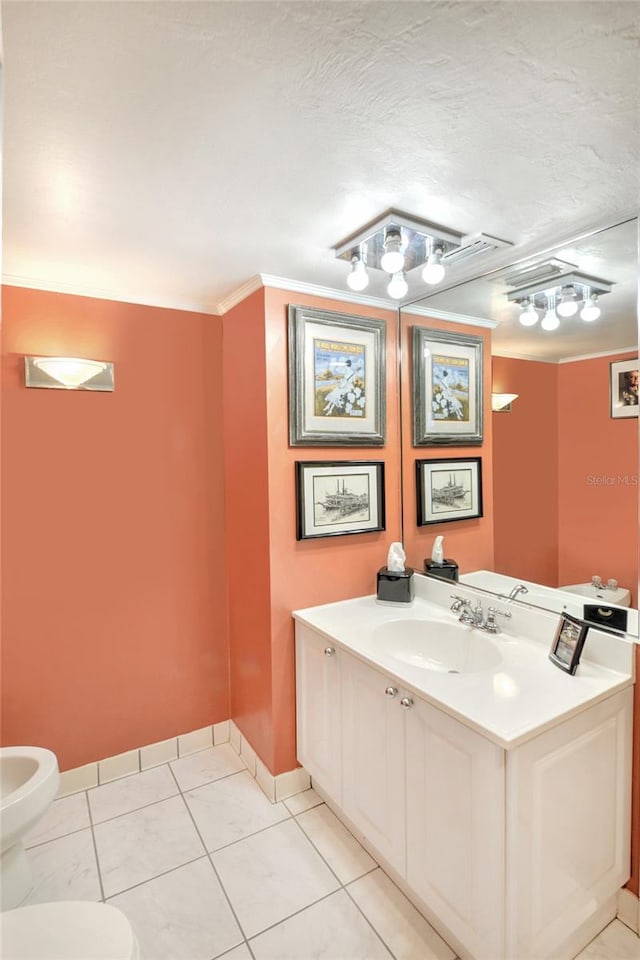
<point>596,582</point>
<point>458,602</point>
<point>492,611</point>
<point>612,584</point>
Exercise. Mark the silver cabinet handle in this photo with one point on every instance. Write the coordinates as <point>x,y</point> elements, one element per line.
<point>391,691</point>
<point>329,651</point>
<point>406,702</point>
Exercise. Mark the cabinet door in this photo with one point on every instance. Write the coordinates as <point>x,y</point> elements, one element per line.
<point>455,827</point>
<point>318,710</point>
<point>568,829</point>
<point>373,759</point>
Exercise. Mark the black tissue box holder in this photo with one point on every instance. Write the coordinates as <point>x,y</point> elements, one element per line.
<point>395,586</point>
<point>447,570</point>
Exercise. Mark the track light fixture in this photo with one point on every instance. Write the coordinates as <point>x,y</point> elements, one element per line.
<point>398,245</point>
<point>559,295</point>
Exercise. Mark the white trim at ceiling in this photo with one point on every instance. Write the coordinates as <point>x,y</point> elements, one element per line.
<point>418,311</point>
<point>582,356</point>
<point>96,293</point>
<point>312,289</point>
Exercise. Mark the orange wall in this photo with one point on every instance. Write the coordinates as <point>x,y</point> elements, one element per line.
<point>598,520</point>
<point>114,610</point>
<point>525,477</point>
<point>261,527</point>
<point>469,542</point>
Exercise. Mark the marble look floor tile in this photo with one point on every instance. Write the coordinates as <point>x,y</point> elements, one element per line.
<point>182,915</point>
<point>130,793</point>
<point>64,869</point>
<point>403,929</point>
<point>207,765</point>
<point>240,953</point>
<point>302,801</point>
<point>140,845</point>
<point>346,857</point>
<point>232,808</point>
<point>271,875</point>
<point>64,816</point>
<point>616,942</point>
<point>331,929</point>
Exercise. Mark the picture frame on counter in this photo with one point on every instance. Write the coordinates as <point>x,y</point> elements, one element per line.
<point>448,489</point>
<point>447,388</point>
<point>337,379</point>
<point>339,497</point>
<point>568,642</point>
<point>623,390</point>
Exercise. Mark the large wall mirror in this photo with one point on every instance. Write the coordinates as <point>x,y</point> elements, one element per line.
<point>559,470</point>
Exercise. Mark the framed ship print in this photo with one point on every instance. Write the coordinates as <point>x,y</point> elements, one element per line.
<point>338,497</point>
<point>337,379</point>
<point>447,388</point>
<point>448,490</point>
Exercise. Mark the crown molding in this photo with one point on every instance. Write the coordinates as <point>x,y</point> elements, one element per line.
<point>596,356</point>
<point>418,311</point>
<point>328,293</point>
<point>96,293</point>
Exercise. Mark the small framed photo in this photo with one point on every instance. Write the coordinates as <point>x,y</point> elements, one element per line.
<point>337,385</point>
<point>448,490</point>
<point>624,388</point>
<point>568,643</point>
<point>447,388</point>
<point>339,497</point>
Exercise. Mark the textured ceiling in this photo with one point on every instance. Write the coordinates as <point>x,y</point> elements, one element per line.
<point>169,152</point>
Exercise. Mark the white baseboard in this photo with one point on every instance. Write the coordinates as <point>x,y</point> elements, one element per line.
<point>153,754</point>
<point>629,909</point>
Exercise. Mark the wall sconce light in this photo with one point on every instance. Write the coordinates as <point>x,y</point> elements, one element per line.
<point>501,402</point>
<point>68,373</point>
<point>398,244</point>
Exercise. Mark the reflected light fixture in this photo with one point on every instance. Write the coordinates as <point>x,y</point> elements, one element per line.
<point>398,244</point>
<point>560,294</point>
<point>68,373</point>
<point>501,402</point>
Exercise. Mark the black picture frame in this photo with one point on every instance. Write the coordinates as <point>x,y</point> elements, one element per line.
<point>568,642</point>
<point>448,489</point>
<point>339,497</point>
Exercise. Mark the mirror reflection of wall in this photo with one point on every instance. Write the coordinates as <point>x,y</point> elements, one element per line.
<point>559,471</point>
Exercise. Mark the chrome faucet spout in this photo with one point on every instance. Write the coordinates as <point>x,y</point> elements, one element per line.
<point>520,588</point>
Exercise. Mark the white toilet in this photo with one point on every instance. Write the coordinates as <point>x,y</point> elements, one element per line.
<point>69,930</point>
<point>29,781</point>
<point>66,930</point>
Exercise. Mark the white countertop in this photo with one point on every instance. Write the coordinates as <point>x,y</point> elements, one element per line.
<point>521,697</point>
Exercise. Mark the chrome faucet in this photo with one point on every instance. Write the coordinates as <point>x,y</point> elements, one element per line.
<point>520,588</point>
<point>474,616</point>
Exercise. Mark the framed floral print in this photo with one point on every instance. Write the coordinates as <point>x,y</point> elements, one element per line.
<point>447,388</point>
<point>337,385</point>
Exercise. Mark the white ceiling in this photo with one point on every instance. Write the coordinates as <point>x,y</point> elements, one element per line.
<point>168,152</point>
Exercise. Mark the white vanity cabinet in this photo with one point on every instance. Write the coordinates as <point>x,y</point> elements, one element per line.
<point>512,854</point>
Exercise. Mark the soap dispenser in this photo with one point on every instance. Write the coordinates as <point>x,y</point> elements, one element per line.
<point>438,566</point>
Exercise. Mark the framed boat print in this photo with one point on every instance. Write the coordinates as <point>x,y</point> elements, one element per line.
<point>338,497</point>
<point>337,379</point>
<point>624,388</point>
<point>448,490</point>
<point>447,388</point>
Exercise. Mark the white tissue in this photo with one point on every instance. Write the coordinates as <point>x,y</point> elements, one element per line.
<point>396,558</point>
<point>437,554</point>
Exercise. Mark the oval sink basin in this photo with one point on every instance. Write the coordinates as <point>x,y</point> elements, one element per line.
<point>433,645</point>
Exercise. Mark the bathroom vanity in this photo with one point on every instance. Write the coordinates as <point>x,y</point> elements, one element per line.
<point>493,787</point>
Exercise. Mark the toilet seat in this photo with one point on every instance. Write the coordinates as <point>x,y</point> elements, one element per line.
<point>68,930</point>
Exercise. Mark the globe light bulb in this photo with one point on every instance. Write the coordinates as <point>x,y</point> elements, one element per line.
<point>392,260</point>
<point>529,315</point>
<point>433,270</point>
<point>397,287</point>
<point>358,278</point>
<point>590,311</point>
<point>567,306</point>
<point>550,320</point>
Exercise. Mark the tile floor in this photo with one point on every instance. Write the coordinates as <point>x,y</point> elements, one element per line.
<point>206,867</point>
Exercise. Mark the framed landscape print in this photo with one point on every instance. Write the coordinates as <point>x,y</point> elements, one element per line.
<point>339,497</point>
<point>337,379</point>
<point>448,490</point>
<point>447,388</point>
<point>624,388</point>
